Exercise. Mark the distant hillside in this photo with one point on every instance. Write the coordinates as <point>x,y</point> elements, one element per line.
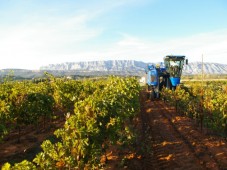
<point>133,66</point>
<point>209,68</point>
<point>110,67</point>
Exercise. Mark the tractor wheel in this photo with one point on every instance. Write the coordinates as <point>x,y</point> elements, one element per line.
<point>148,95</point>
<point>152,95</point>
<point>149,88</point>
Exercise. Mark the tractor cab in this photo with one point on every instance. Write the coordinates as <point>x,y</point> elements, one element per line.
<point>174,66</point>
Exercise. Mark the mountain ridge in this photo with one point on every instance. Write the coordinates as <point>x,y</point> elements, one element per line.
<point>132,65</point>
<point>109,67</point>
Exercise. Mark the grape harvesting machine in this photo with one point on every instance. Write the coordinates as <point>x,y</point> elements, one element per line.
<point>165,74</point>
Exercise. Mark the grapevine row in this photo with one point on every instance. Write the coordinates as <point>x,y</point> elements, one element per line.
<point>102,114</point>
<point>206,103</point>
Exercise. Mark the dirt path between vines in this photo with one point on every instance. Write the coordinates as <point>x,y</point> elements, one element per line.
<point>29,145</point>
<point>166,141</point>
<point>173,142</point>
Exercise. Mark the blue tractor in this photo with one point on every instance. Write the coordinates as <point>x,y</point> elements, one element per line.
<point>165,74</point>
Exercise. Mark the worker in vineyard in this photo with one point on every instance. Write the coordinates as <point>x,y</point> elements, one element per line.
<point>162,83</point>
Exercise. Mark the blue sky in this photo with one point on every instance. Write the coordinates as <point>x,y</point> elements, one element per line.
<point>35,33</point>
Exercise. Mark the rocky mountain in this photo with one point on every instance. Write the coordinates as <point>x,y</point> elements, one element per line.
<point>136,67</point>
<point>110,67</point>
<point>208,68</point>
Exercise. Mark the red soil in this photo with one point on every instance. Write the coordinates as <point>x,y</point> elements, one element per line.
<point>166,141</point>
<point>171,141</point>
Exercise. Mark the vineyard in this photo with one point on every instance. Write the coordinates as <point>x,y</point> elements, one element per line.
<point>206,104</point>
<point>98,114</point>
<point>106,116</point>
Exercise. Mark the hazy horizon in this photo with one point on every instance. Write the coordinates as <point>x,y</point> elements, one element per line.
<point>99,61</point>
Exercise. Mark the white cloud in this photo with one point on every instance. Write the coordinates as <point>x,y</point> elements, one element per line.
<point>212,45</point>
<point>48,39</point>
<point>39,39</point>
<point>21,44</point>
<point>42,40</point>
